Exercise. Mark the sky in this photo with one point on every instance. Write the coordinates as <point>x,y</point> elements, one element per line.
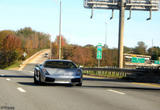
<point>77,27</point>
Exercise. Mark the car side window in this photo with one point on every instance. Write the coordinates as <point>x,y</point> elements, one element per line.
<point>71,65</point>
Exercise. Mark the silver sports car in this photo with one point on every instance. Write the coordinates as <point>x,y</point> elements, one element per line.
<point>58,71</point>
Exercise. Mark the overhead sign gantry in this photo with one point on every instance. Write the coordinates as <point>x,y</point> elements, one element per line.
<point>122,5</point>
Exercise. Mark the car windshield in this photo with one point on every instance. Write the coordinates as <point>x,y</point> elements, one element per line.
<point>59,64</point>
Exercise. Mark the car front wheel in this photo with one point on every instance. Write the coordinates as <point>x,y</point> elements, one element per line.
<point>80,84</point>
<point>37,77</point>
<point>35,80</point>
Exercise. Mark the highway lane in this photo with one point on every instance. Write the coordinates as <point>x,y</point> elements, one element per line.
<point>93,95</point>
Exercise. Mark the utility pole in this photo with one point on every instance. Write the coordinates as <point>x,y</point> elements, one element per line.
<point>50,48</point>
<point>60,36</point>
<point>121,34</point>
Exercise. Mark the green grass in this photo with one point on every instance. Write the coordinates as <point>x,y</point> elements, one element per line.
<point>16,64</point>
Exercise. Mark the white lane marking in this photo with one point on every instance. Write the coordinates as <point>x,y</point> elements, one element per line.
<point>110,90</point>
<point>21,89</point>
<point>31,71</point>
<point>8,79</point>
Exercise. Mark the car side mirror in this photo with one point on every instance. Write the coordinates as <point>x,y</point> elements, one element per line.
<point>80,66</point>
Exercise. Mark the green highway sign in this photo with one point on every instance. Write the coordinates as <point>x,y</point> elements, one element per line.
<point>99,51</point>
<point>137,60</point>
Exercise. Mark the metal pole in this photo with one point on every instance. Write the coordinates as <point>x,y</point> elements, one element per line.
<point>121,34</point>
<point>152,50</point>
<point>105,34</point>
<point>60,37</point>
<point>98,63</point>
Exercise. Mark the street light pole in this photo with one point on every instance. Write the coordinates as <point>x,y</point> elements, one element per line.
<point>50,48</point>
<point>105,35</point>
<point>60,36</point>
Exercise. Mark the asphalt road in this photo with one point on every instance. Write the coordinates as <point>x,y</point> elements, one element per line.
<point>18,92</point>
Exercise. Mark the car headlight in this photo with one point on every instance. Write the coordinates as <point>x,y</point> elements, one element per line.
<point>78,73</point>
<point>45,71</point>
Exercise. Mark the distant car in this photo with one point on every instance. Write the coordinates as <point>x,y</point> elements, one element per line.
<point>58,71</point>
<point>46,55</point>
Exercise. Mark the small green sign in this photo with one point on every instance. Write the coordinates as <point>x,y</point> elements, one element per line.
<point>99,51</point>
<point>156,62</point>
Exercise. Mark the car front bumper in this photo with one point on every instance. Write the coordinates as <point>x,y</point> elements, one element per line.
<point>63,79</point>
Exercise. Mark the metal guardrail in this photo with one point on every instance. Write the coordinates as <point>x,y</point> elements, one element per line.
<point>110,69</point>
<point>141,69</point>
<point>112,72</point>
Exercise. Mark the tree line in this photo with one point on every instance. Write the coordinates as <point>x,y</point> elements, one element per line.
<point>13,44</point>
<point>86,55</point>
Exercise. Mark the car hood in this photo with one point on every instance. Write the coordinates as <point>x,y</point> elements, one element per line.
<point>63,72</point>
